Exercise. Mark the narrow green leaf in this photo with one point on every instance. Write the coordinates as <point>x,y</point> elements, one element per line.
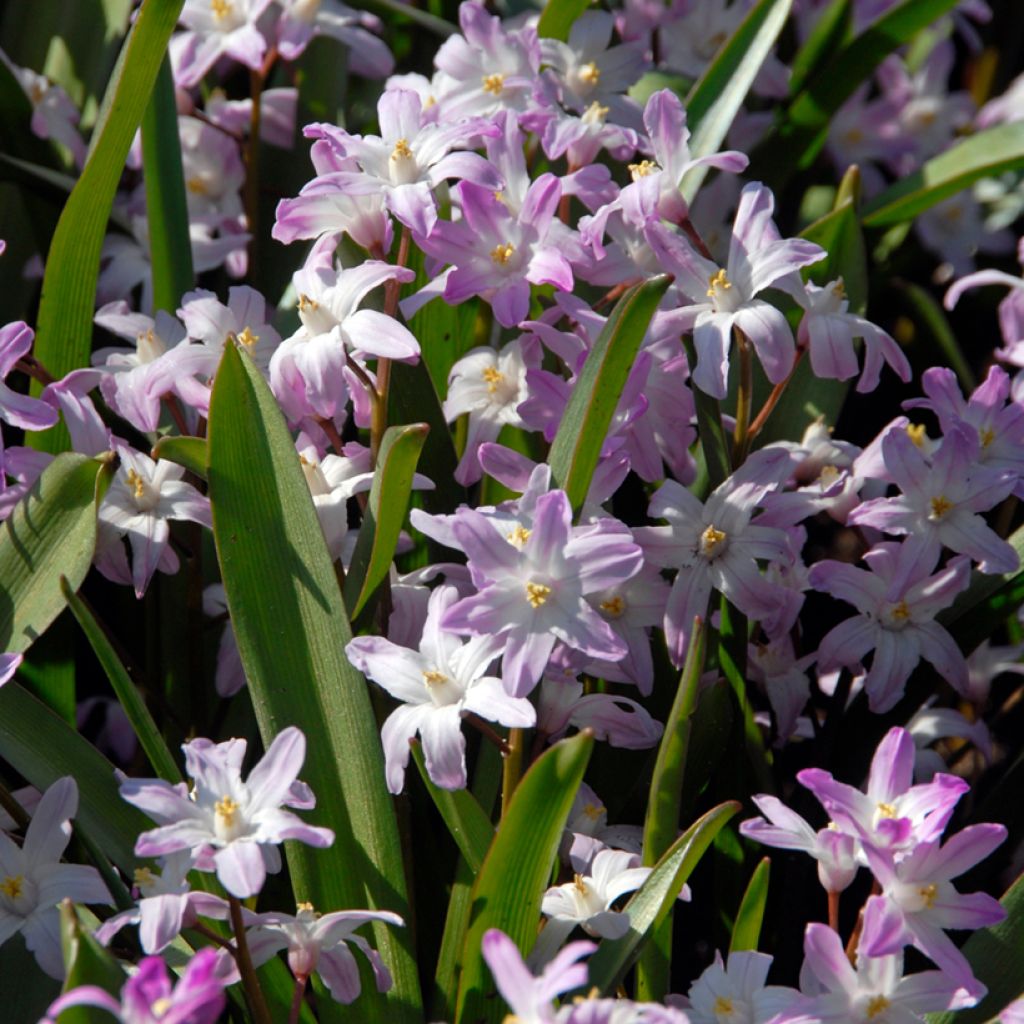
<point>449,960</point>
<point>803,127</point>
<point>746,932</point>
<point>831,30</point>
<point>52,532</point>
<point>718,95</point>
<point>385,513</point>
<point>653,900</point>
<point>932,317</point>
<point>127,692</point>
<point>291,627</point>
<point>988,154</point>
<point>86,962</point>
<point>584,426</point>
<point>517,869</point>
<point>170,248</point>
<point>558,17</point>
<point>424,19</point>
<point>190,452</point>
<point>64,324</point>
<point>468,824</point>
<point>994,956</point>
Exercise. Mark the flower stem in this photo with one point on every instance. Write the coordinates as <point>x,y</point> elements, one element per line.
<point>744,399</point>
<point>251,984</point>
<point>512,768</point>
<point>773,400</point>
<point>300,991</point>
<point>833,911</point>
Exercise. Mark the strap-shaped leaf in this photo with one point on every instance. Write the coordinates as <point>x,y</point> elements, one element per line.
<point>830,32</point>
<point>558,17</point>
<point>86,962</point>
<point>385,513</point>
<point>468,824</point>
<point>584,426</point>
<point>190,452</point>
<point>986,155</point>
<point>652,901</point>
<point>718,94</point>
<point>64,325</point>
<point>291,627</point>
<point>746,932</point>
<point>51,533</point>
<point>518,866</point>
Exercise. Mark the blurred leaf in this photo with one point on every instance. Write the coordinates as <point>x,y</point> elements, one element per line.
<point>170,248</point>
<point>988,154</point>
<point>595,396</point>
<point>124,688</point>
<point>86,963</point>
<point>929,314</point>
<point>385,513</point>
<point>802,128</point>
<point>405,11</point>
<point>718,95</point>
<point>831,30</point>
<point>64,331</point>
<point>746,932</point>
<point>28,1000</point>
<point>51,533</point>
<point>449,960</point>
<point>190,452</point>
<point>291,627</point>
<point>468,824</point>
<point>652,901</point>
<point>994,956</point>
<point>517,869</point>
<point>558,17</point>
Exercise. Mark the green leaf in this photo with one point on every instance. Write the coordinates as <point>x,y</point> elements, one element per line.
<point>746,932</point>
<point>170,248</point>
<point>449,960</point>
<point>651,903</point>
<point>86,962</point>
<point>64,324</point>
<point>558,17</point>
<point>127,692</point>
<point>584,426</point>
<point>291,627</point>
<point>518,867</point>
<point>385,513</point>
<point>803,127</point>
<point>718,94</point>
<point>994,956</point>
<point>190,452</point>
<point>988,154</point>
<point>406,12</point>
<point>932,317</point>
<point>468,824</point>
<point>831,30</point>
<point>51,533</point>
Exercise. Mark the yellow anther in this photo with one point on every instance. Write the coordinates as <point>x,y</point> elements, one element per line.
<point>429,102</point>
<point>221,8</point>
<point>306,305</point>
<point>12,886</point>
<point>197,186</point>
<point>828,473</point>
<point>915,431</point>
<point>537,594</point>
<point>247,338</point>
<point>160,1007</point>
<point>592,812</point>
<point>876,1006</point>
<point>718,282</point>
<point>136,483</point>
<point>434,678</point>
<point>986,436</point>
<point>502,253</point>
<point>493,84</point>
<point>299,907</point>
<point>143,876</point>
<point>595,113</point>
<point>642,169</point>
<point>519,536</point>
<point>614,606</point>
<point>711,540</point>
<point>887,810</point>
<point>581,886</point>
<point>590,73</point>
<point>401,151</point>
<point>839,289</point>
<point>226,809</point>
<point>493,377</point>
<point>940,506</point>
<point>723,1007</point>
<point>928,893</point>
<point>901,612</point>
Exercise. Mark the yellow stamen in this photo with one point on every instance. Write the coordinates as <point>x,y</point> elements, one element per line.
<point>614,606</point>
<point>590,73</point>
<point>434,678</point>
<point>136,483</point>
<point>915,431</point>
<point>581,886</point>
<point>306,305</point>
<point>723,1007</point>
<point>719,282</point>
<point>494,84</point>
<point>519,536</point>
<point>876,1006</point>
<point>711,540</point>
<point>940,506</point>
<point>226,808</point>
<point>595,112</point>
<point>143,876</point>
<point>493,377</point>
<point>887,810</point>
<point>828,473</point>
<point>642,169</point>
<point>839,289</point>
<point>502,253</point>
<point>221,8</point>
<point>197,186</point>
<point>537,594</point>
<point>986,436</point>
<point>928,893</point>
<point>12,886</point>
<point>161,1006</point>
<point>401,151</point>
<point>592,812</point>
<point>901,611</point>
<point>303,906</point>
<point>247,338</point>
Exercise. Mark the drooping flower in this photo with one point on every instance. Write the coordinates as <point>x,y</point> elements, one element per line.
<point>300,20</point>
<point>17,409</point>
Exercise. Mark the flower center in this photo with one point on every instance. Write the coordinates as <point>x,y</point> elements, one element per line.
<point>642,169</point>
<point>718,283</point>
<point>614,606</point>
<point>144,877</point>
<point>940,506</point>
<point>595,114</point>
<point>307,305</point>
<point>221,8</point>
<point>915,431</point>
<point>248,339</point>
<point>197,186</point>
<point>401,150</point>
<point>501,254</point>
<point>590,73</point>
<point>592,812</point>
<point>712,541</point>
<point>898,615</point>
<point>137,484</point>
<point>160,1007</point>
<point>537,594</point>
<point>493,377</point>
<point>12,886</point>
<point>403,164</point>
<point>228,822</point>
<point>928,893</point>
<point>986,436</point>
<point>434,678</point>
<point>519,536</point>
<point>443,690</point>
<point>839,288</point>
<point>148,346</point>
<point>879,1004</point>
<point>887,810</point>
<point>494,84</point>
<point>723,1007</point>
